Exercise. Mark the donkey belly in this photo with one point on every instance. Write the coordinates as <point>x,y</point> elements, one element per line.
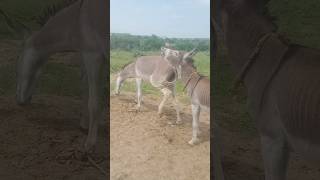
<point>297,96</point>
<point>144,67</point>
<point>201,94</point>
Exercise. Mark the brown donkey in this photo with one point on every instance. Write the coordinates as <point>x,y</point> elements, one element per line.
<point>282,82</point>
<point>82,27</point>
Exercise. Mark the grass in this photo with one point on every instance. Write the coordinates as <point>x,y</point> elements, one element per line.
<point>119,58</point>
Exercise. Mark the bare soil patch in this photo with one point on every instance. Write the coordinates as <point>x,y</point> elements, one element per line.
<point>145,146</point>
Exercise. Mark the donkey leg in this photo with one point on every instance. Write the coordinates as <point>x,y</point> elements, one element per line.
<point>275,153</point>
<point>28,71</point>
<point>166,94</point>
<point>139,92</point>
<point>177,106</point>
<point>118,85</point>
<point>95,64</point>
<point>195,124</point>
<point>84,121</point>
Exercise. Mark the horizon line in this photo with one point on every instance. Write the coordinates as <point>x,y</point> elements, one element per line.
<point>160,36</point>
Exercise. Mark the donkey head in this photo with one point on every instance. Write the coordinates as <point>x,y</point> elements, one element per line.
<point>168,52</point>
<point>178,58</point>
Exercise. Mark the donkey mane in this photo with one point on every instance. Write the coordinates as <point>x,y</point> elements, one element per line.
<point>190,62</point>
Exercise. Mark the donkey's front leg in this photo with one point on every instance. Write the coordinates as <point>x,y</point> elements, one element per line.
<point>275,153</point>
<point>95,65</point>
<point>139,92</point>
<point>177,106</point>
<point>84,121</point>
<point>28,71</point>
<point>195,124</point>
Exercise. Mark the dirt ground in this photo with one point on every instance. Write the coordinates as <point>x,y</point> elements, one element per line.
<point>43,141</point>
<point>144,146</point>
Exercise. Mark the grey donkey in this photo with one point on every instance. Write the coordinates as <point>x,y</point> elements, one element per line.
<point>282,82</point>
<point>158,72</point>
<point>81,27</point>
<point>197,86</point>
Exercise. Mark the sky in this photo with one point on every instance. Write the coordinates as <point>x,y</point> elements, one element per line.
<point>165,18</point>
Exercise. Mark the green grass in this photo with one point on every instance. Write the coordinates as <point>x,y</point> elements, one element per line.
<point>120,58</point>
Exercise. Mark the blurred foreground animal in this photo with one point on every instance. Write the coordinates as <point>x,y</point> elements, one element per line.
<point>83,28</point>
<point>282,81</point>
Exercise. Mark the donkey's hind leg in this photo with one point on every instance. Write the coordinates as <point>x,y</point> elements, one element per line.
<point>95,65</point>
<point>275,153</point>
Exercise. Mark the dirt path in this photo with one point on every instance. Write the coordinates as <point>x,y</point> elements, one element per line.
<point>143,146</point>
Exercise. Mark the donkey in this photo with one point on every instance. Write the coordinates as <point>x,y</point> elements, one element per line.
<point>198,86</point>
<point>282,81</point>
<point>158,72</point>
<point>81,27</point>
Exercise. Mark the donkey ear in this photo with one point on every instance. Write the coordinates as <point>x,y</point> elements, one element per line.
<point>190,54</point>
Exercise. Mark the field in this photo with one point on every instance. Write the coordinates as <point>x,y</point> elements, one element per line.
<point>145,146</point>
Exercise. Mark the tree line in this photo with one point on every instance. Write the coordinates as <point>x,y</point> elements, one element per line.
<point>128,42</point>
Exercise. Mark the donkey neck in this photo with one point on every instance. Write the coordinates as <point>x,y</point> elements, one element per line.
<point>189,77</point>
<point>242,33</point>
<point>186,72</point>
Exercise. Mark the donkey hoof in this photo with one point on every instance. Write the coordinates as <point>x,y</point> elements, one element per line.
<point>88,147</point>
<point>134,109</point>
<point>179,122</point>
<point>175,123</point>
<point>194,141</point>
<point>84,126</point>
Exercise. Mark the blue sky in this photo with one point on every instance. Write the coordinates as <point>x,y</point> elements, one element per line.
<point>165,18</point>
